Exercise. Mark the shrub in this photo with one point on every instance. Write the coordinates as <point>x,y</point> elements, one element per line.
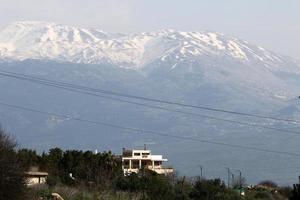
<point>212,190</point>
<point>51,181</point>
<point>262,195</point>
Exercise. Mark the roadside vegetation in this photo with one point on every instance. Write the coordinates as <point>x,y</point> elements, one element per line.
<point>84,175</point>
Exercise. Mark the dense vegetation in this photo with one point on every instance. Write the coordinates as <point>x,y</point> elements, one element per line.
<point>11,172</point>
<point>72,167</point>
<point>84,175</point>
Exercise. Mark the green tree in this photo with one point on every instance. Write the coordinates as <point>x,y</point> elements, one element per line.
<point>28,157</point>
<point>12,180</point>
<point>53,160</point>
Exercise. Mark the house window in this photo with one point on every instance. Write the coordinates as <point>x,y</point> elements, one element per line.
<point>145,155</point>
<point>137,154</point>
<point>157,163</point>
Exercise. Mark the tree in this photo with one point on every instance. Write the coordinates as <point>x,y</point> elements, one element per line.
<point>28,157</point>
<point>54,158</point>
<point>12,178</point>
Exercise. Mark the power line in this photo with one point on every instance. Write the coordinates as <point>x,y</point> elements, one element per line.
<point>151,132</point>
<point>68,88</point>
<point>7,73</point>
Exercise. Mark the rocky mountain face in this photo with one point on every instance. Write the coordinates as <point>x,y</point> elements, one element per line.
<point>199,68</point>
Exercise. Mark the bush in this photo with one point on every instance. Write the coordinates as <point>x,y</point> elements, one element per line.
<point>51,181</point>
<point>182,189</point>
<point>262,195</point>
<point>130,183</point>
<point>212,190</point>
<point>150,185</point>
<point>285,191</point>
<point>158,187</point>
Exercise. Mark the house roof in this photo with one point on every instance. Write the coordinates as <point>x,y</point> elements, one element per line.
<point>36,173</point>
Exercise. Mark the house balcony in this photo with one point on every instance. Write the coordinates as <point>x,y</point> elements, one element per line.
<point>157,169</point>
<point>161,170</point>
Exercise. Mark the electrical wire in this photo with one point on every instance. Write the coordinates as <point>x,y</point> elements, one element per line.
<point>151,132</point>
<point>7,73</point>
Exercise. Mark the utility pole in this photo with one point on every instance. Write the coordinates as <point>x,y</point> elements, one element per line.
<point>240,182</point>
<point>228,176</point>
<point>232,180</point>
<point>201,170</point>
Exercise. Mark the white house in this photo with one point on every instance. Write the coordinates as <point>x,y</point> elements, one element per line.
<point>35,178</point>
<point>135,160</point>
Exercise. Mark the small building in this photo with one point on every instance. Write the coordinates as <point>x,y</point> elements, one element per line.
<point>135,160</point>
<point>35,178</point>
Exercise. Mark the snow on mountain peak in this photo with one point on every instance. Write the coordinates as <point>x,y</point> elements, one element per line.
<point>43,40</point>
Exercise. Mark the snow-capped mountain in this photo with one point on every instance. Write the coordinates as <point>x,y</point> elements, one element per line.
<point>41,40</point>
<point>199,68</point>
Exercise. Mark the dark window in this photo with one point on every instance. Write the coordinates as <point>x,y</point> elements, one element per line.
<point>156,163</point>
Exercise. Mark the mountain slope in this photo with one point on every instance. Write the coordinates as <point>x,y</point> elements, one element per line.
<point>41,40</point>
<point>199,68</point>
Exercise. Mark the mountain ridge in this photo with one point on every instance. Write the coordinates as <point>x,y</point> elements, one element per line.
<point>204,69</point>
<point>47,40</point>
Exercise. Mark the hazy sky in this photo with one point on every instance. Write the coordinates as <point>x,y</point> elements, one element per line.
<point>273,24</point>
